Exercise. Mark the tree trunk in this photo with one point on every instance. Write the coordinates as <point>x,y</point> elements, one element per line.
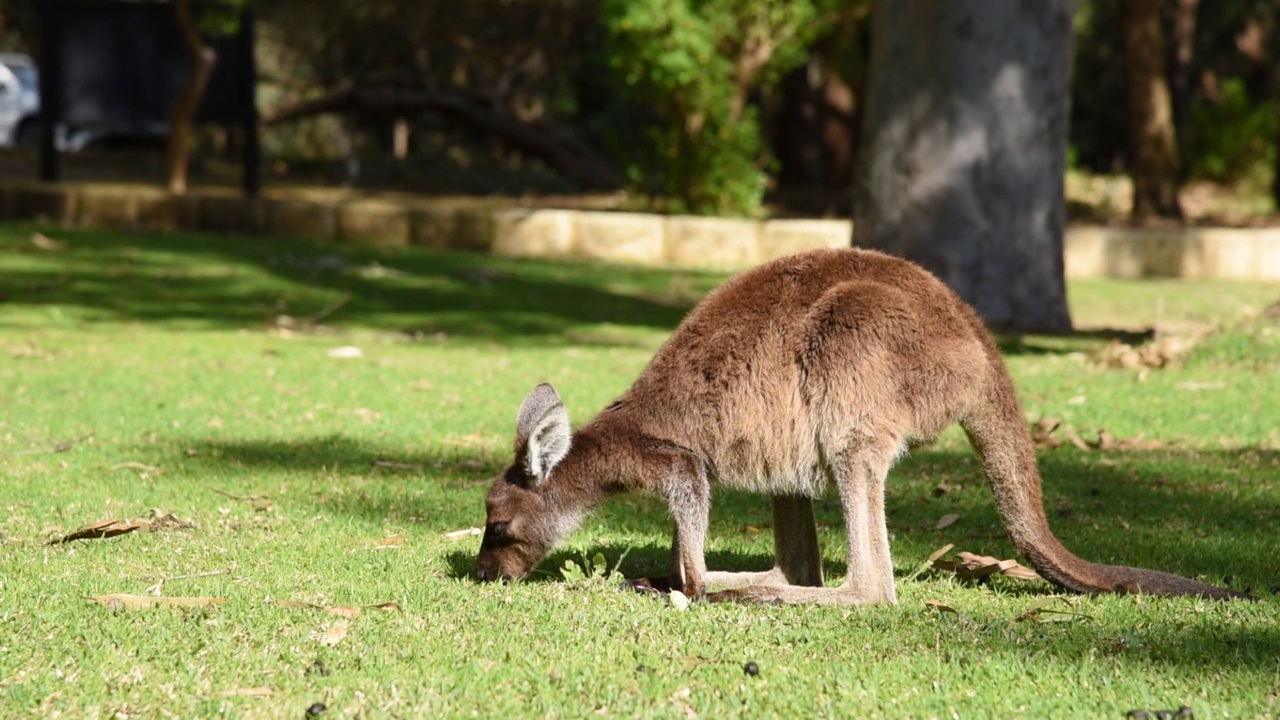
<point>183,114</point>
<point>1153,147</point>
<point>1184,40</point>
<point>1275,171</point>
<point>964,149</point>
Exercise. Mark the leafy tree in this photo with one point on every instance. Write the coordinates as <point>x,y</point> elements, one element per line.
<point>693,65</point>
<point>500,76</point>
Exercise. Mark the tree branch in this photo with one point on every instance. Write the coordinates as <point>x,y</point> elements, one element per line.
<point>572,158</point>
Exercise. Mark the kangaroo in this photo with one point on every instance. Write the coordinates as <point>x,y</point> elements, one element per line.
<point>817,369</point>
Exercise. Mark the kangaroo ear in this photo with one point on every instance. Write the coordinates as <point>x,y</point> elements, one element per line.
<point>542,432</point>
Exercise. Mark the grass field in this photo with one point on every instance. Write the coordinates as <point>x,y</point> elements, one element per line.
<point>189,384</point>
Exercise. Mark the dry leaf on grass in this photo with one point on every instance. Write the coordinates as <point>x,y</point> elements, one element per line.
<point>1158,353</point>
<point>946,521</point>
<point>47,243</point>
<point>972,567</point>
<point>331,634</point>
<point>679,600</point>
<point>928,562</point>
<point>139,602</point>
<point>937,605</point>
<point>387,543</point>
<point>1107,441</point>
<point>1042,432</point>
<point>245,692</point>
<point>346,352</point>
<point>168,521</point>
<point>97,531</point>
<point>1043,435</point>
<point>468,532</point>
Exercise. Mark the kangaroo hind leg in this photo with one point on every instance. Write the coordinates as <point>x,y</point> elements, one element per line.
<point>797,559</point>
<point>860,475</point>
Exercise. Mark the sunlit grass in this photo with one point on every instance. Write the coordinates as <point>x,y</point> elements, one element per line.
<point>148,375</point>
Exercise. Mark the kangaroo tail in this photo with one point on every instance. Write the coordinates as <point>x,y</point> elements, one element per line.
<point>1000,436</point>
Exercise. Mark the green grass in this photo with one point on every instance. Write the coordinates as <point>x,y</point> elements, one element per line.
<point>170,353</point>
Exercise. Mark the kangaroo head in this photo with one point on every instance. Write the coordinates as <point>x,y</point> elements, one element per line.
<point>525,520</point>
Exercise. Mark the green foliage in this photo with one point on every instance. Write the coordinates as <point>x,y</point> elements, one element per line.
<point>594,570</point>
<point>1228,133</point>
<point>220,18</point>
<point>1232,138</point>
<point>692,65</point>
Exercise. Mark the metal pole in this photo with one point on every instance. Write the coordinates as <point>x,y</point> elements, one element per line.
<point>246,85</point>
<point>49,15</point>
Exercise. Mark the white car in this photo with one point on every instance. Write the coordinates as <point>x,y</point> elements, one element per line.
<point>19,101</point>
<point>20,114</point>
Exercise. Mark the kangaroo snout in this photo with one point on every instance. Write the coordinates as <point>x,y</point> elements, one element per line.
<point>487,572</point>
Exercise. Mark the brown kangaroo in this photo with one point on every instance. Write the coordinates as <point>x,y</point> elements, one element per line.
<point>819,368</point>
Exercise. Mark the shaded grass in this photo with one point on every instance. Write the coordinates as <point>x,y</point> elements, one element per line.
<point>189,396</point>
<point>205,281</point>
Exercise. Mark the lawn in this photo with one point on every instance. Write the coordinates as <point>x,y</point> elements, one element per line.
<point>299,430</point>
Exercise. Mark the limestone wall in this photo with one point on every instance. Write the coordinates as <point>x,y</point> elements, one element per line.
<point>604,236</point>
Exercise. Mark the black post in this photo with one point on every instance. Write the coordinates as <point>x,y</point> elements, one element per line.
<point>246,85</point>
<point>50,18</point>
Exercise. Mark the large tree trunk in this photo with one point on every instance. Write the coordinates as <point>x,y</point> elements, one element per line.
<point>183,114</point>
<point>1153,147</point>
<point>964,149</point>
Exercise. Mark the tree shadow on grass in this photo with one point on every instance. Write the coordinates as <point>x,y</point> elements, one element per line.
<point>227,281</point>
<point>1012,344</point>
<point>219,281</point>
<point>1210,514</point>
<point>1186,512</point>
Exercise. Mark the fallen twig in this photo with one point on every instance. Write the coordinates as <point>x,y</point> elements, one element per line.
<point>61,447</point>
<point>233,496</point>
<point>143,467</point>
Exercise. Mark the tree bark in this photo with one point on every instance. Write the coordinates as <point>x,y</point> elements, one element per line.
<point>1275,171</point>
<point>1184,40</point>
<point>1153,146</point>
<point>963,151</point>
<point>183,114</point>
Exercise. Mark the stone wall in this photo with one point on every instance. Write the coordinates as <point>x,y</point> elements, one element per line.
<point>604,236</point>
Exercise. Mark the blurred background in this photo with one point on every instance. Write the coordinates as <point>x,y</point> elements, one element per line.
<point>728,107</point>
